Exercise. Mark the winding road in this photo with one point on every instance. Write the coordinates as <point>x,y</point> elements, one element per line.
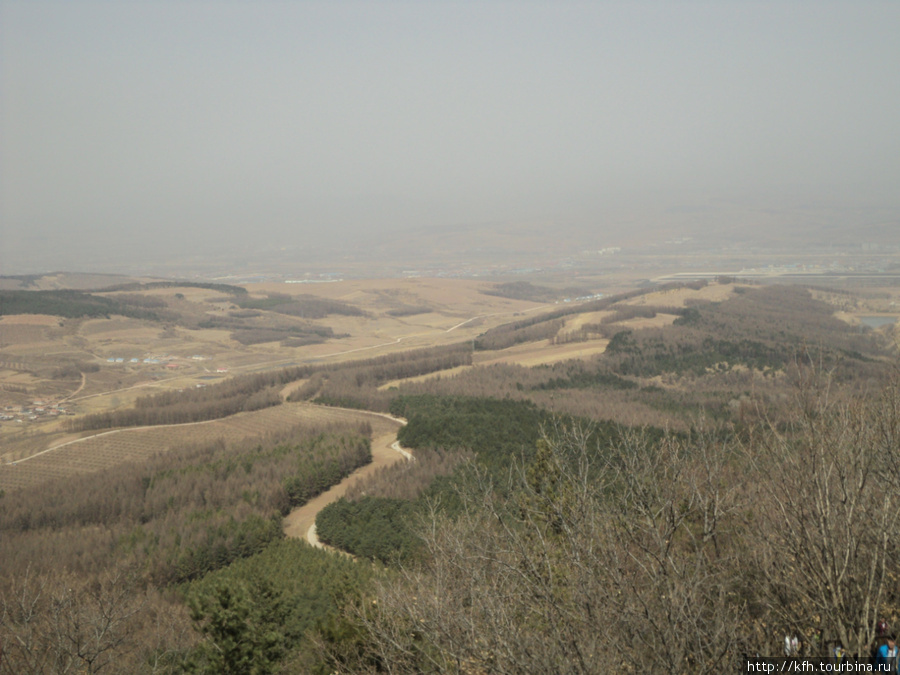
<point>301,522</point>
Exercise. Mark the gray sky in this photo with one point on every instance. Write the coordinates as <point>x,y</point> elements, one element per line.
<point>169,123</point>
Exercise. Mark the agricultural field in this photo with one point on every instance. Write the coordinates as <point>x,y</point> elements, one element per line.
<point>103,450</point>
<point>75,367</point>
<point>200,336</point>
<point>245,422</point>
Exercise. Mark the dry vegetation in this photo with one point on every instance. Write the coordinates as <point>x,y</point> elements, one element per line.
<point>546,339</point>
<point>105,450</point>
<point>510,555</point>
<point>376,318</point>
<point>593,554</point>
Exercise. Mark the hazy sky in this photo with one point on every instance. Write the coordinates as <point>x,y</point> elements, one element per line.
<point>172,124</point>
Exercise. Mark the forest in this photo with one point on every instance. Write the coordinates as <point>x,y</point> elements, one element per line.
<point>74,304</point>
<point>691,495</point>
<point>243,393</point>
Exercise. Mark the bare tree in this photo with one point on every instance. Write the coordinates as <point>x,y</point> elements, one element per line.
<point>669,554</point>
<point>67,624</point>
<point>588,560</point>
<point>831,511</point>
<point>23,639</point>
<point>668,549</point>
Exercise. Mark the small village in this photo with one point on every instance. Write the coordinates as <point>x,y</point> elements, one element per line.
<point>44,410</point>
<point>35,412</point>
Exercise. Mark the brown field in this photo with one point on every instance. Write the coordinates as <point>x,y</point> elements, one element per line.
<point>539,353</point>
<point>679,296</point>
<point>28,320</point>
<point>38,345</point>
<point>99,451</point>
<point>450,372</point>
<point>32,346</point>
<point>657,321</point>
<point>574,323</point>
<point>21,333</point>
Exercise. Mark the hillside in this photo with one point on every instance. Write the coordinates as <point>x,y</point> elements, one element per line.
<point>565,450</point>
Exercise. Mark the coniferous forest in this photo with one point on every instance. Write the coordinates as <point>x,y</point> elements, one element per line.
<point>693,494</point>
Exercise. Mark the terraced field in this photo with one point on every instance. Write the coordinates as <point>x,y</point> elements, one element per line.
<point>106,449</point>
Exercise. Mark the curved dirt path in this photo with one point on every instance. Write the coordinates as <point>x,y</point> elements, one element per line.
<point>80,387</point>
<point>301,522</point>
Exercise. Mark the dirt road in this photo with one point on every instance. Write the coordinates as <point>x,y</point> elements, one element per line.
<point>301,522</point>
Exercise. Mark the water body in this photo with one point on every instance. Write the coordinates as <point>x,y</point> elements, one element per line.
<point>878,321</point>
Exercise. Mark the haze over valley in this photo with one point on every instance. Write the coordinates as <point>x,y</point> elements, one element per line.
<point>448,337</point>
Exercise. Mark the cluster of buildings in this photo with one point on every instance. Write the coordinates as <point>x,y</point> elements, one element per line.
<point>169,362</point>
<point>34,412</point>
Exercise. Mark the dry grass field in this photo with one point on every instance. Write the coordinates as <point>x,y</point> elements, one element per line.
<point>105,449</point>
<point>394,315</point>
<point>678,297</point>
<point>122,358</point>
<point>540,353</point>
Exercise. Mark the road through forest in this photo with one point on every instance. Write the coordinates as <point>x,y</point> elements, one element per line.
<point>301,522</point>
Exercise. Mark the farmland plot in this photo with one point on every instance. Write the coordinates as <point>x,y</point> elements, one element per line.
<point>136,444</point>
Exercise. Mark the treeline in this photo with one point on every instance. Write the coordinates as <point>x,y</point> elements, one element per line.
<point>409,310</point>
<point>356,384</point>
<point>690,552</point>
<point>545,326</point>
<point>376,521</point>
<point>586,376</point>
<point>73,305</point>
<point>250,333</point>
<point>90,575</point>
<point>243,393</point>
<point>289,336</point>
<point>180,411</point>
<point>137,286</point>
<point>525,290</point>
<point>304,306</point>
<point>183,513</point>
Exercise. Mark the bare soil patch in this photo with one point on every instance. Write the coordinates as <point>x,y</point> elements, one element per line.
<point>29,320</point>
<point>22,333</point>
<point>576,322</point>
<point>537,353</point>
<point>450,372</point>
<point>677,297</point>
